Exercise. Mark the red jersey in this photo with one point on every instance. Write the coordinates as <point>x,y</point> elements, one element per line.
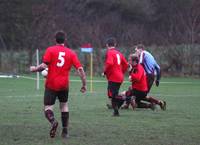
<point>138,78</point>
<point>115,66</point>
<point>59,59</point>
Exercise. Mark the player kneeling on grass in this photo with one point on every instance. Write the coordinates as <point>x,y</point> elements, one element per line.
<point>59,60</point>
<point>139,88</point>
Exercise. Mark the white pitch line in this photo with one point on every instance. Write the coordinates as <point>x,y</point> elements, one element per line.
<point>71,94</point>
<point>9,76</point>
<point>25,77</point>
<point>104,81</point>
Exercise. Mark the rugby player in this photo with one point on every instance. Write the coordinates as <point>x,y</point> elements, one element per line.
<point>114,68</point>
<point>151,68</point>
<point>59,59</point>
<point>139,89</point>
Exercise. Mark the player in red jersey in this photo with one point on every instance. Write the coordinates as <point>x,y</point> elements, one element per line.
<point>114,68</point>
<point>59,60</point>
<point>139,86</point>
<point>150,66</point>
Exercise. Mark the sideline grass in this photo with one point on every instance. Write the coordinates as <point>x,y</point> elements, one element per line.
<point>22,121</point>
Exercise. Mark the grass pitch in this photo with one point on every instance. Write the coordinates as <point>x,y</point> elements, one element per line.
<point>22,121</point>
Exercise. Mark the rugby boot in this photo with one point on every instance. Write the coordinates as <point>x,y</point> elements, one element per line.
<point>116,112</point>
<point>65,133</point>
<point>163,105</point>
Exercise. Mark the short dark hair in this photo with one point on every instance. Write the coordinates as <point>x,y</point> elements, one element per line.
<point>60,37</point>
<point>111,41</point>
<point>134,57</point>
<point>140,46</point>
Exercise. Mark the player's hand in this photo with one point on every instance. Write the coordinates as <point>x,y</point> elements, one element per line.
<point>103,74</point>
<point>32,68</point>
<point>157,83</point>
<point>130,78</point>
<point>130,68</point>
<point>83,89</point>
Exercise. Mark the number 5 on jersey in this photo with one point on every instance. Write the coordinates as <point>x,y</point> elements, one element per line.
<point>61,59</point>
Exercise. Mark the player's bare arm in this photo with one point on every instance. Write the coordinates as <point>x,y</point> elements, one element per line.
<point>130,78</point>
<point>38,68</point>
<point>82,75</point>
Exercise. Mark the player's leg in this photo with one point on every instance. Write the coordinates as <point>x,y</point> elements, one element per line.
<point>156,101</point>
<point>145,105</point>
<point>116,102</point>
<point>109,94</point>
<point>128,98</point>
<point>49,101</point>
<point>133,102</point>
<point>64,119</point>
<point>63,99</point>
<point>121,99</point>
<point>150,81</point>
<point>139,96</point>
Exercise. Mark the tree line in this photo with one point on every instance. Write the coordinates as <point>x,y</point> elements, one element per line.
<point>27,25</point>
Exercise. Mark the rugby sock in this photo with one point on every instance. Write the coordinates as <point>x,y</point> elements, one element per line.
<point>153,100</point>
<point>114,104</point>
<point>49,115</point>
<point>128,100</point>
<point>133,104</point>
<point>115,107</point>
<point>120,102</point>
<point>65,119</point>
<point>143,105</point>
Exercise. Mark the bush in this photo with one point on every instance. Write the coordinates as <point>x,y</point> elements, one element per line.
<point>177,60</point>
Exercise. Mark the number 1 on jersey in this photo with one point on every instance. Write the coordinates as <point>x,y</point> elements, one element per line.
<point>61,58</point>
<point>118,59</point>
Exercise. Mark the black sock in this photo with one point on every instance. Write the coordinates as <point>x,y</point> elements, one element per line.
<point>49,115</point>
<point>114,105</point>
<point>120,102</point>
<point>144,105</point>
<point>65,119</point>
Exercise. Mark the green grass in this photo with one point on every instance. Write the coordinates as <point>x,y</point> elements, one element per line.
<point>22,121</point>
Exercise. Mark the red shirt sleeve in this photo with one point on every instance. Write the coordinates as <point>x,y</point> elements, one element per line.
<point>75,61</point>
<point>124,64</point>
<point>109,61</point>
<point>47,56</point>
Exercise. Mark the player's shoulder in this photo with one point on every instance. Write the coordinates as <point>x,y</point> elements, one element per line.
<point>117,50</point>
<point>109,51</point>
<point>147,53</point>
<point>139,66</point>
<point>69,50</point>
<point>113,50</point>
<point>51,48</point>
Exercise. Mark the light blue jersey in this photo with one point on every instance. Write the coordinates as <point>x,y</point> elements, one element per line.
<point>149,63</point>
